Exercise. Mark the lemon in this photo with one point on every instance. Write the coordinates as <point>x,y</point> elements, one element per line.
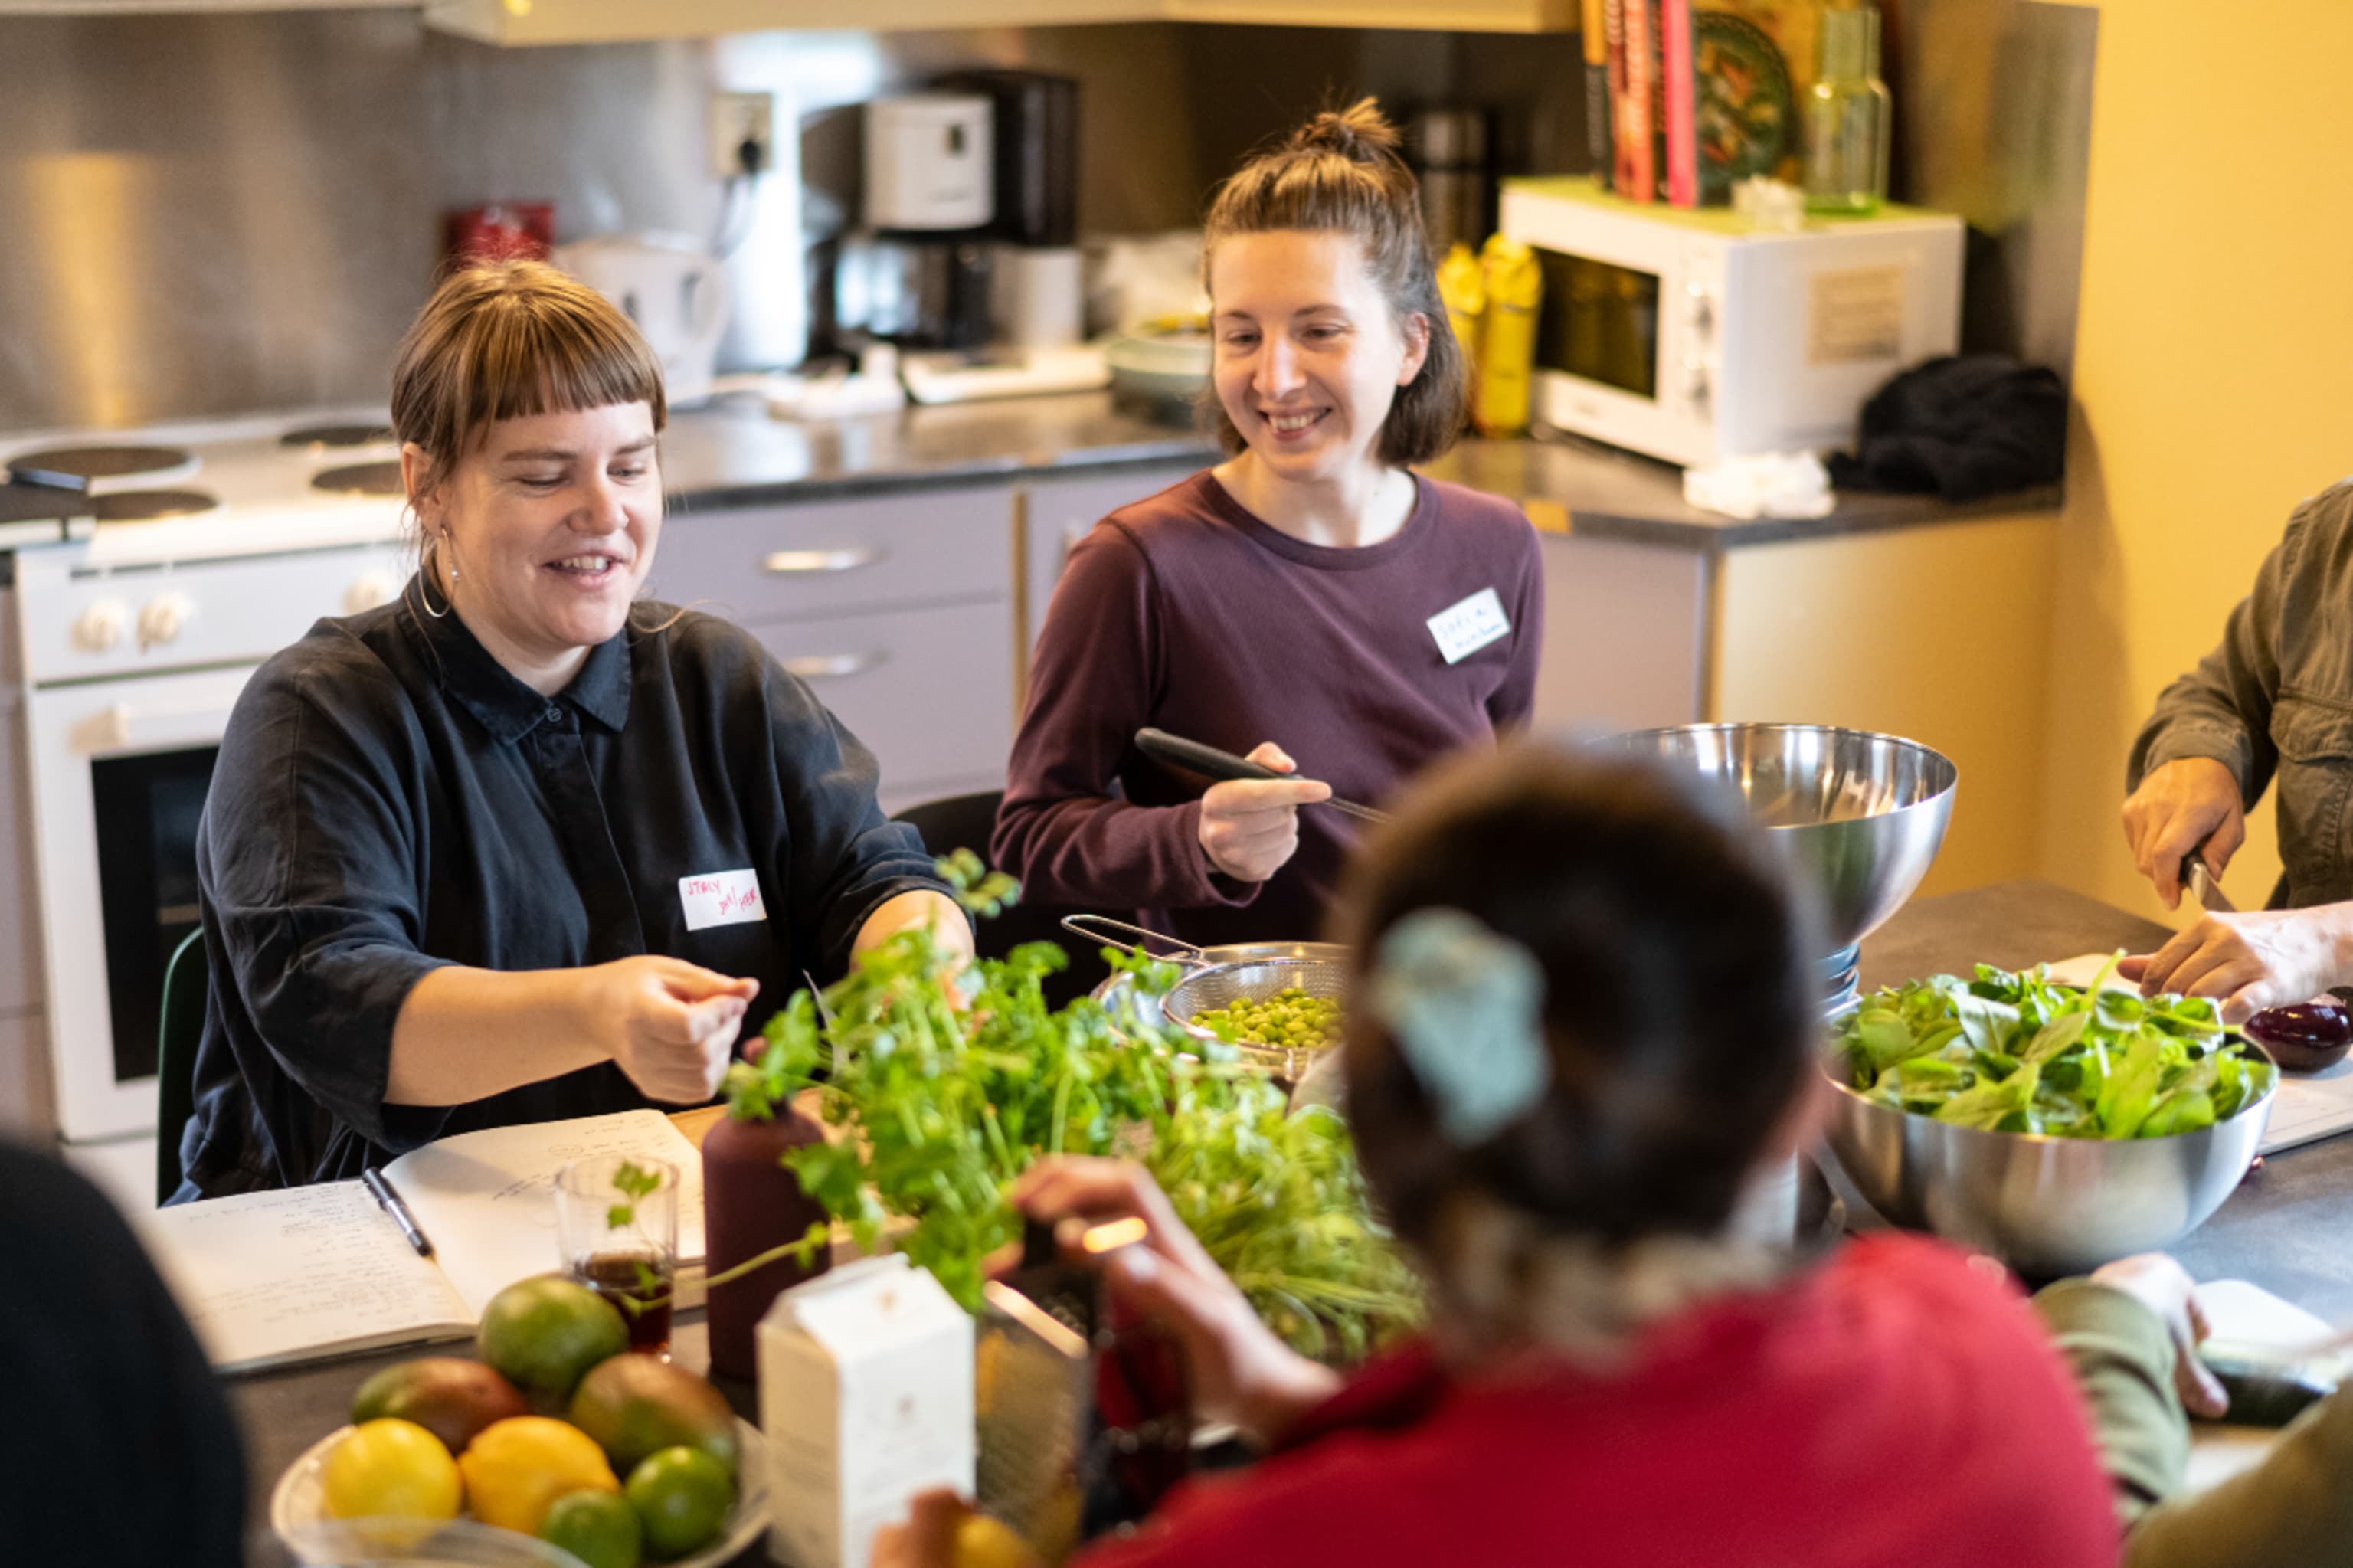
<point>984,1542</point>
<point>516,1468</point>
<point>598,1528</point>
<point>682,1495</point>
<point>391,1467</point>
<point>546,1332</point>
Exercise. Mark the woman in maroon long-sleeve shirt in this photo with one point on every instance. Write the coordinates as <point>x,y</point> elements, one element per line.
<point>1311,598</point>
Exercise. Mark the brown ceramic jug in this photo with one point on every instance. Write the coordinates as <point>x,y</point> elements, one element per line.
<point>752,1204</point>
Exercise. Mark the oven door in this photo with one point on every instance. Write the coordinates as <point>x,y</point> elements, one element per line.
<point>119,779</point>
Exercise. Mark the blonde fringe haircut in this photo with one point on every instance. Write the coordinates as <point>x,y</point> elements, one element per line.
<point>506,339</point>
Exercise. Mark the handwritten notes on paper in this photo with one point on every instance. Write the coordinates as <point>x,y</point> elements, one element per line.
<point>270,1273</point>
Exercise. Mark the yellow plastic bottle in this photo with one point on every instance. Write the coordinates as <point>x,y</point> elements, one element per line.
<point>1513,285</point>
<point>1462,287</point>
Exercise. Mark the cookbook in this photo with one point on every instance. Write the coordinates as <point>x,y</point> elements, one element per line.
<point>304,1273</point>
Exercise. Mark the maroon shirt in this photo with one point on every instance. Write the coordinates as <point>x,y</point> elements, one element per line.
<point>1186,613</point>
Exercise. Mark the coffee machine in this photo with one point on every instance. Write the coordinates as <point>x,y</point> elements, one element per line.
<point>970,258</point>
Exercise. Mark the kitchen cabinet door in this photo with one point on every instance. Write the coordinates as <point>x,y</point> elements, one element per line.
<point>929,692</point>
<point>837,557</point>
<point>1626,638</point>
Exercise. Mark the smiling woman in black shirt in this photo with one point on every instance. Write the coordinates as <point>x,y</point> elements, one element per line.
<point>519,845</point>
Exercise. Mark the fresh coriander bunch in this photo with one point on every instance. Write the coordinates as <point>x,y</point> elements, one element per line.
<point>947,1085</point>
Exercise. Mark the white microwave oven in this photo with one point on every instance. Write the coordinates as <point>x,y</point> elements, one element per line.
<point>1688,334</point>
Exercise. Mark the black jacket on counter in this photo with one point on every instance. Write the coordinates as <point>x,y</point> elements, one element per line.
<point>389,799</point>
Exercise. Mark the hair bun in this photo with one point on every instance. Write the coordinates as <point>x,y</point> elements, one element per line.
<point>1360,132</point>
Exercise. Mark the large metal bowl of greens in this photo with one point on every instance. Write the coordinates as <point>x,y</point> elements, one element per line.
<point>2053,1127</point>
<point>1861,815</point>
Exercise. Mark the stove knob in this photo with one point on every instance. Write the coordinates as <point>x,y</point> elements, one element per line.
<point>375,589</point>
<point>163,616</point>
<point>99,627</point>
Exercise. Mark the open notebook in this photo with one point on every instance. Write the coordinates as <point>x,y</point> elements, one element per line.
<point>269,1278</point>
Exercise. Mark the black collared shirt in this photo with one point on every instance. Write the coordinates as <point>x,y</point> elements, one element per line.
<point>389,799</point>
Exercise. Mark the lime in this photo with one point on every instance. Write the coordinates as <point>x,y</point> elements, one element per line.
<point>390,1467</point>
<point>598,1528</point>
<point>683,1496</point>
<point>547,1331</point>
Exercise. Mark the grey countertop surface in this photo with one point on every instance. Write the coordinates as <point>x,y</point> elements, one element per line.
<point>2283,1228</point>
<point>734,454</point>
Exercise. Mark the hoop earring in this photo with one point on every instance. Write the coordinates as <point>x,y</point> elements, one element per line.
<point>424,577</point>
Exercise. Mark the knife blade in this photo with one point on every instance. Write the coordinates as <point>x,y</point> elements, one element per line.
<point>2202,887</point>
<point>1194,757</point>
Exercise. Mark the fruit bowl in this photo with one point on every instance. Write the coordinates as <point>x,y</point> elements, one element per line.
<point>297,1513</point>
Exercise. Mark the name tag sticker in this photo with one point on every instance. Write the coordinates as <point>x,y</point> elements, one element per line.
<point>722,898</point>
<point>1463,628</point>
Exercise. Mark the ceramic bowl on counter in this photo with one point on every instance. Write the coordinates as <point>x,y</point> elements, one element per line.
<point>1161,368</point>
<point>2046,1206</point>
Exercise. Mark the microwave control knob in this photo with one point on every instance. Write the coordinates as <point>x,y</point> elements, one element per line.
<point>1697,386</point>
<point>1699,309</point>
<point>99,629</point>
<point>161,618</point>
<point>369,591</point>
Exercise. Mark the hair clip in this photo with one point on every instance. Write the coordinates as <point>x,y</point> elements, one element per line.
<point>1466,1008</point>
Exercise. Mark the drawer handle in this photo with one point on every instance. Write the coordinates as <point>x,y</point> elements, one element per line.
<point>833,666</point>
<point>843,559</point>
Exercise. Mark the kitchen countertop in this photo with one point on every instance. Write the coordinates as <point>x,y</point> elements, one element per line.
<point>734,454</point>
<point>2281,1229</point>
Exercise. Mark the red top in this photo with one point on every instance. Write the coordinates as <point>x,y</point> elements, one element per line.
<point>1187,612</point>
<point>1894,1409</point>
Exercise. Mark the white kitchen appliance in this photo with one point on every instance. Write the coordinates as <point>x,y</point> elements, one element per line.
<point>674,291</point>
<point>930,163</point>
<point>129,648</point>
<point>1692,335</point>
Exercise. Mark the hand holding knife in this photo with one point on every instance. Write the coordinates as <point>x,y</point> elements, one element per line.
<point>1207,760</point>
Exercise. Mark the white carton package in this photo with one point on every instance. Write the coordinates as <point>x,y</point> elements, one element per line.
<point>866,1399</point>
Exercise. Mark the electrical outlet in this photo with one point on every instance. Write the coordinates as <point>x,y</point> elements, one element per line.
<point>742,134</point>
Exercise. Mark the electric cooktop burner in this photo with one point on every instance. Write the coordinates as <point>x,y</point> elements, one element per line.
<point>97,470</point>
<point>332,436</point>
<point>149,505</point>
<point>360,479</point>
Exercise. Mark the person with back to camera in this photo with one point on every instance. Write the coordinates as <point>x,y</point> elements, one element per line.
<point>1582,1022</point>
<point>516,846</point>
<point>1309,597</point>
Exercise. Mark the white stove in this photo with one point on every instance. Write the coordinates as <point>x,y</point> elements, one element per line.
<point>131,647</point>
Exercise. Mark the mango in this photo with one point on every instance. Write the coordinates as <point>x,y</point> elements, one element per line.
<point>635,1406</point>
<point>452,1399</point>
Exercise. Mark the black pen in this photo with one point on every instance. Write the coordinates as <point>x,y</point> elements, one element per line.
<point>390,1200</point>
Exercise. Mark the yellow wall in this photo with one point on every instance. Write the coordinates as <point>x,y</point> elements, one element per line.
<point>1938,634</point>
<point>2213,377</point>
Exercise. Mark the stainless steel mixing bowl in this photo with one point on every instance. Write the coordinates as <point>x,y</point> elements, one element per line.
<point>1861,815</point>
<point>2046,1206</point>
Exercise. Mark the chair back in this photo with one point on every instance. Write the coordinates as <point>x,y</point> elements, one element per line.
<point>187,990</point>
<point>965,822</point>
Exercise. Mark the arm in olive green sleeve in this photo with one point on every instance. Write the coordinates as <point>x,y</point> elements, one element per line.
<point>2123,1361</point>
<point>2295,1506</point>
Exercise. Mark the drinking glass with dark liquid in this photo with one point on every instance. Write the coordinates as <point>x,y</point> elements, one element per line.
<point>616,1228</point>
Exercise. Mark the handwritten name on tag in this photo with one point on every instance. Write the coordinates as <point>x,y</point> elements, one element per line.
<point>722,898</point>
<point>1463,628</point>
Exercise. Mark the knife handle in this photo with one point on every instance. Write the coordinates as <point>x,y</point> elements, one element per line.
<point>1207,760</point>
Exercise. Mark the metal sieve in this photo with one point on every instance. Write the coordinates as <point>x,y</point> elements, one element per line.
<point>1241,971</point>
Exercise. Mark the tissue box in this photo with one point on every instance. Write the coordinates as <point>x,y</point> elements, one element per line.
<point>866,1399</point>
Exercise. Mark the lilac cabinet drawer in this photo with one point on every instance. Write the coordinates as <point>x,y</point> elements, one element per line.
<point>930,691</point>
<point>763,564</point>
